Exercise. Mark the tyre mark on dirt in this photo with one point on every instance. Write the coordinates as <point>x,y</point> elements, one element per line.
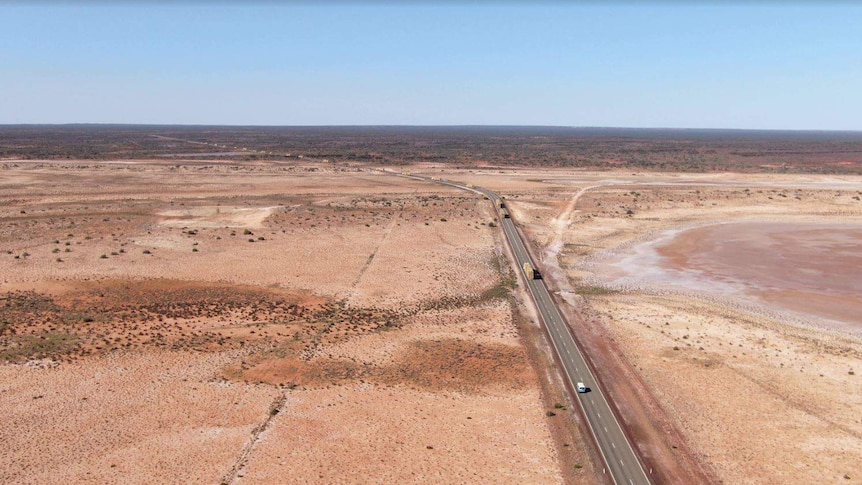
<point>236,471</point>
<point>364,268</point>
<point>797,404</point>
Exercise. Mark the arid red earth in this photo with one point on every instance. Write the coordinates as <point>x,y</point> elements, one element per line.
<point>215,321</point>
<point>727,305</point>
<point>186,322</point>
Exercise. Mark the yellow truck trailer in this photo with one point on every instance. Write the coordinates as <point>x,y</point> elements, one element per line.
<point>531,273</point>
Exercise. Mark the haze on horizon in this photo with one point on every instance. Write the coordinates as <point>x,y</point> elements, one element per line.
<point>700,65</point>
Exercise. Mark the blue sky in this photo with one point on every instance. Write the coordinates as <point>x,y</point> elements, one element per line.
<point>670,64</point>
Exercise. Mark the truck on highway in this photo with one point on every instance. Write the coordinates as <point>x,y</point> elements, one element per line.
<point>505,213</point>
<point>501,203</point>
<point>531,273</point>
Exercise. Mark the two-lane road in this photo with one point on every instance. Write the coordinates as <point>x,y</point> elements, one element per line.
<point>619,456</point>
<point>616,450</point>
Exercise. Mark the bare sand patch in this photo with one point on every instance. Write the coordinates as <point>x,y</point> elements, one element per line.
<point>132,418</point>
<point>218,216</point>
<point>449,364</point>
<point>371,434</point>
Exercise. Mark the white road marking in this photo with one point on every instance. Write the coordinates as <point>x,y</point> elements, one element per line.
<point>552,317</point>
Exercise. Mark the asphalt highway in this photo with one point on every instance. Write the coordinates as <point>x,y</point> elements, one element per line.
<point>621,462</point>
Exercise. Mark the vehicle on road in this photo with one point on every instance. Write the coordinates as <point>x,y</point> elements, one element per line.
<point>505,213</point>
<point>621,462</point>
<point>530,272</point>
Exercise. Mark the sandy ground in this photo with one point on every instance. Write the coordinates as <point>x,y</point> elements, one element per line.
<point>318,324</point>
<point>164,417</point>
<point>396,435</point>
<point>750,361</point>
<point>760,402</point>
<point>264,323</point>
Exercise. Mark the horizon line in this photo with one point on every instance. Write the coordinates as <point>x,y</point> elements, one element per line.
<point>573,127</point>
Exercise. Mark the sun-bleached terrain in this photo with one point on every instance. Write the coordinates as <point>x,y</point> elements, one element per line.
<point>275,322</point>
<point>197,322</point>
<point>732,300</point>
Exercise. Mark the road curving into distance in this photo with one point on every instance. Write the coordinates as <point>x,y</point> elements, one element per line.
<point>620,459</point>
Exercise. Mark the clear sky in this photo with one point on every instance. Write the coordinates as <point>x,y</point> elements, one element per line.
<point>629,64</point>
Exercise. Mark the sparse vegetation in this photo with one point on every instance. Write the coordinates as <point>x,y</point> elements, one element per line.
<point>589,290</point>
<point>666,150</point>
<point>285,342</point>
<point>18,348</point>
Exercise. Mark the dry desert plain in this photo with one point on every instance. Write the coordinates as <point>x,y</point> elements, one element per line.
<point>723,311</point>
<point>263,322</point>
<point>266,323</point>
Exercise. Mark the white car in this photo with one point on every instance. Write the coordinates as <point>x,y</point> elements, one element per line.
<point>581,387</point>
